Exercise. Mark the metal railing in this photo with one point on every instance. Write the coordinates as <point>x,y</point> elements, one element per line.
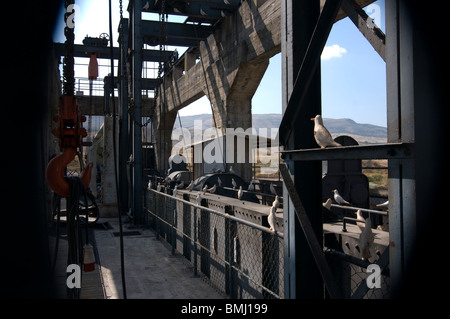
<point>241,258</point>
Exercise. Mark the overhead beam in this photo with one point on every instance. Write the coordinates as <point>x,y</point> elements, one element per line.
<point>82,51</point>
<point>177,34</point>
<point>213,9</point>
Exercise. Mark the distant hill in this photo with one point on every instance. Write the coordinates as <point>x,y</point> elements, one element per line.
<point>363,133</point>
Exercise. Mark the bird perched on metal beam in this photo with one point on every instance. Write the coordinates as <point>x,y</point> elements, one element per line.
<point>190,186</point>
<point>322,135</point>
<point>272,189</point>
<point>271,218</point>
<point>233,182</point>
<point>339,199</point>
<point>175,191</point>
<point>212,190</point>
<point>276,202</point>
<point>360,217</point>
<point>240,192</point>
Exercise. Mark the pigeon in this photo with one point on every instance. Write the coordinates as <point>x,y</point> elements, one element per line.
<point>149,186</point>
<point>251,187</point>
<point>272,189</point>
<point>146,6</point>
<point>231,171</point>
<point>271,218</point>
<point>234,183</point>
<point>158,188</point>
<point>366,240</point>
<point>181,185</point>
<point>198,199</point>
<point>205,188</point>
<point>338,198</point>
<point>240,192</point>
<point>190,186</point>
<point>385,204</point>
<point>322,135</point>
<point>219,181</point>
<point>212,190</point>
<point>175,191</point>
<point>361,224</point>
<point>276,202</point>
<point>203,13</point>
<point>327,204</point>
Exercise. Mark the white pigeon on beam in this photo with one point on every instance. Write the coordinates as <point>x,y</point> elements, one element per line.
<point>175,191</point>
<point>339,199</point>
<point>322,135</point>
<point>385,204</point>
<point>205,188</point>
<point>219,181</point>
<point>158,188</point>
<point>327,204</point>
<point>272,189</point>
<point>276,202</point>
<point>181,185</point>
<point>212,190</point>
<point>240,192</point>
<point>251,187</point>
<point>271,218</point>
<point>360,217</point>
<point>149,186</point>
<point>366,240</point>
<point>231,171</point>
<point>198,199</point>
<point>190,186</point>
<point>233,182</point>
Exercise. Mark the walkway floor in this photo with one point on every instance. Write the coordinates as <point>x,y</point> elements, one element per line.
<point>151,271</point>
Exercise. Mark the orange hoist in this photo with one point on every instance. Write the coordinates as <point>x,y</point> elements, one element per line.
<point>69,131</point>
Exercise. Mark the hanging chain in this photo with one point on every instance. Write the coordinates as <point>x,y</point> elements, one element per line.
<point>68,61</point>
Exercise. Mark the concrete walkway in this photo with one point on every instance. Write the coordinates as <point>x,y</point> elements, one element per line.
<point>151,271</point>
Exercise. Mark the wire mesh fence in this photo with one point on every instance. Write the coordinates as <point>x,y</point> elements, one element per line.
<point>241,258</point>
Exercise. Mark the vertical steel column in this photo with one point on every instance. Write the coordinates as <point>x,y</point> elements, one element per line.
<point>303,280</point>
<point>136,7</point>
<point>124,151</point>
<point>401,128</point>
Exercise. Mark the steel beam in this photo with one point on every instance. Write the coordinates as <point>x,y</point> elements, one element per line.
<point>311,60</point>
<point>124,149</point>
<point>82,51</point>
<point>136,42</point>
<point>212,10</point>
<point>371,32</point>
<point>303,277</point>
<point>381,151</point>
<point>178,34</point>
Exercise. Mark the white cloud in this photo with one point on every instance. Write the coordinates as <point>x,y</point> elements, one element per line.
<point>333,51</point>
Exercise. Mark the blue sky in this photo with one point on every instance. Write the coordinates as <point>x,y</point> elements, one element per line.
<point>353,75</point>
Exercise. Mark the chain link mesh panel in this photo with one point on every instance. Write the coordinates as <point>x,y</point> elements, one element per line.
<point>241,259</point>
